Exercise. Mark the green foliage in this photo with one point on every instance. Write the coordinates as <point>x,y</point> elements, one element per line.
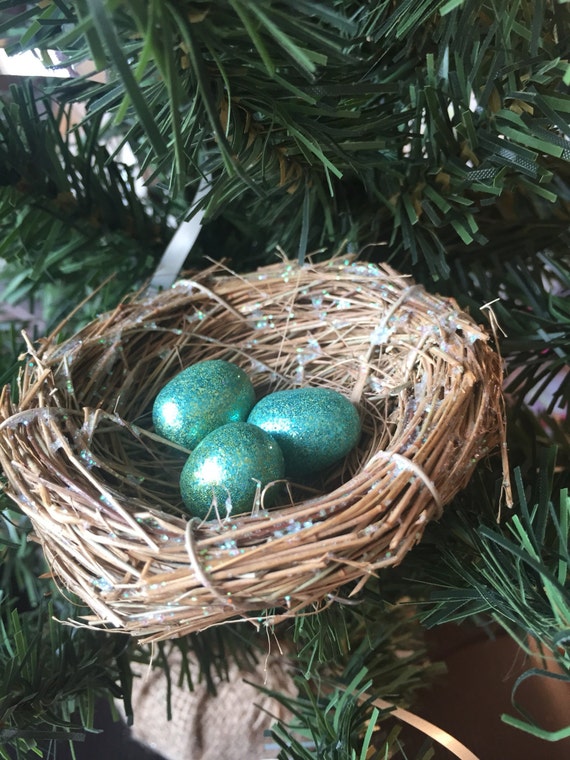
<point>528,295</point>
<point>384,123</point>
<point>50,674</point>
<point>514,572</point>
<point>69,217</point>
<point>367,632</point>
<point>517,572</point>
<point>342,656</point>
<point>50,680</point>
<point>335,726</point>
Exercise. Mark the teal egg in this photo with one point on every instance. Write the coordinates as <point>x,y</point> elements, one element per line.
<point>314,427</point>
<point>229,464</point>
<point>200,399</point>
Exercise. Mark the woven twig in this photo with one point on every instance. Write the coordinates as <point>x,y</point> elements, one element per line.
<point>101,489</point>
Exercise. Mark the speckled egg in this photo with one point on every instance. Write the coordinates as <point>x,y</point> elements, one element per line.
<point>228,465</point>
<point>315,427</point>
<point>200,399</point>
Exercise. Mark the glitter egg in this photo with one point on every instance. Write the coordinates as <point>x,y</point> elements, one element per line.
<point>200,399</point>
<point>315,427</point>
<point>228,468</point>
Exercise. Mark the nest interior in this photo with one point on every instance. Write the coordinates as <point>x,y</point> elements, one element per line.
<point>101,488</point>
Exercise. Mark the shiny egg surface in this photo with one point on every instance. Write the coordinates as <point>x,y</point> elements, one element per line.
<point>228,468</point>
<point>200,399</point>
<point>315,427</point>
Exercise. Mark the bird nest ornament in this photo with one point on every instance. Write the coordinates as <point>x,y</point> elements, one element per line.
<point>100,486</point>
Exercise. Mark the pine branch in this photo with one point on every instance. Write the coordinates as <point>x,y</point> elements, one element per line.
<point>366,632</point>
<point>515,572</point>
<point>50,675</point>
<point>342,655</point>
<point>391,124</point>
<point>50,681</point>
<point>69,215</point>
<point>529,299</point>
<point>332,727</point>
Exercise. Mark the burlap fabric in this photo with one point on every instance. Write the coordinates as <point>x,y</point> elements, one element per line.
<point>230,724</point>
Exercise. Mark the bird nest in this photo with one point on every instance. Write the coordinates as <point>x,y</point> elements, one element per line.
<point>101,487</point>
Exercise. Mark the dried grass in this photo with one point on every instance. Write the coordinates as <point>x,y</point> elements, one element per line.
<point>101,489</point>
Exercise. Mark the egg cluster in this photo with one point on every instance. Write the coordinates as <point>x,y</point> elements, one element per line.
<point>240,448</point>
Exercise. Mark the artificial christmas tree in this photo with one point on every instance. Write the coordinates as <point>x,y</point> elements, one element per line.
<point>432,136</point>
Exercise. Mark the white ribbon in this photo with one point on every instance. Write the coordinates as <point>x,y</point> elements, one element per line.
<point>180,245</point>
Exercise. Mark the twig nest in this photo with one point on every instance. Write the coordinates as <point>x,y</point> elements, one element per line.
<point>101,488</point>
